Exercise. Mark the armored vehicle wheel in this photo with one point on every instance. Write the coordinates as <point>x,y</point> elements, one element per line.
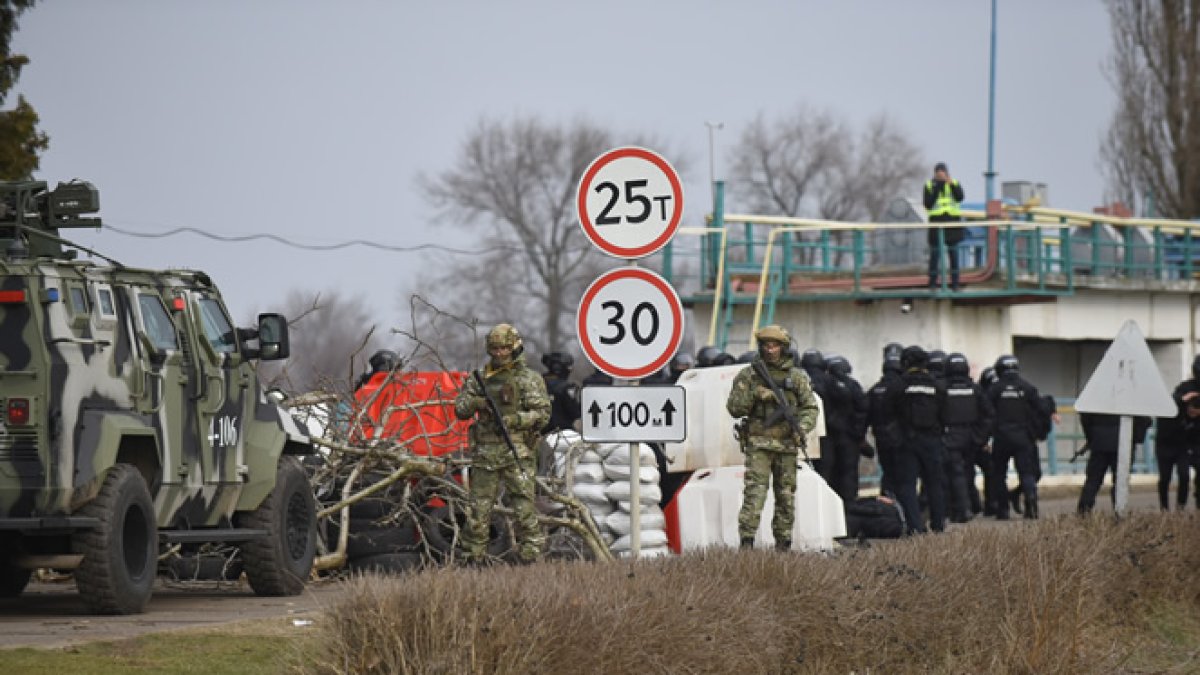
<point>280,563</point>
<point>120,556</point>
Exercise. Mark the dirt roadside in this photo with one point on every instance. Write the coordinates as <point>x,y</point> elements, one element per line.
<point>50,615</point>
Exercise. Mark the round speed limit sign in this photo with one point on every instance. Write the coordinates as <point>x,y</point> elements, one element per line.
<point>630,323</point>
<point>630,202</point>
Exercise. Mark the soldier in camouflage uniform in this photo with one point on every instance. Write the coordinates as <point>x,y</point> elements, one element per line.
<point>771,450</point>
<point>521,395</point>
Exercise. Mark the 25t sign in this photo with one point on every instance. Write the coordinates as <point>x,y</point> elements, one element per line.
<point>630,202</point>
<point>630,323</point>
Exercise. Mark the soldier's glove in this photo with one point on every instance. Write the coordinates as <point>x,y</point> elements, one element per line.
<point>764,393</point>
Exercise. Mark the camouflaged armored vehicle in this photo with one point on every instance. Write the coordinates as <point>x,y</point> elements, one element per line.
<point>132,419</point>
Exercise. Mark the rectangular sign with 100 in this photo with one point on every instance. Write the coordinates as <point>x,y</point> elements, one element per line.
<point>634,414</point>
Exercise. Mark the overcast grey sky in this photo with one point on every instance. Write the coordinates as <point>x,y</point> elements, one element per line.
<point>312,119</point>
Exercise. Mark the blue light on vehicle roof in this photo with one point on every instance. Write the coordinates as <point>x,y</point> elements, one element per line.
<point>51,295</point>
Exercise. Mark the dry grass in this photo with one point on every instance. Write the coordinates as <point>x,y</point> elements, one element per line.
<point>1066,595</point>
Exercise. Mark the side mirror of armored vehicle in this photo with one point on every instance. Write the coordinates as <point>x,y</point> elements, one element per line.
<point>272,337</point>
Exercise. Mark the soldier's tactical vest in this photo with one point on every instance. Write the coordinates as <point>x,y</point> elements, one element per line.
<point>1012,409</point>
<point>790,387</point>
<point>879,415</point>
<point>921,406</point>
<point>504,389</point>
<point>961,407</point>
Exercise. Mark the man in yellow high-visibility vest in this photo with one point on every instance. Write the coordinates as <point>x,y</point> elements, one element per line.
<point>943,195</point>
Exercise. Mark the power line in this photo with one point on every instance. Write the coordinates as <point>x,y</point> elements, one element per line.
<point>307,247</point>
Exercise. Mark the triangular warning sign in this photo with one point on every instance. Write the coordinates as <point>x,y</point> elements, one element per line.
<point>1127,381</point>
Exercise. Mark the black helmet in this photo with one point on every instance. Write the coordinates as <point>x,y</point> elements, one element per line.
<point>838,366</point>
<point>988,377</point>
<point>724,359</point>
<point>956,364</point>
<point>682,362</point>
<point>747,357</point>
<point>913,357</point>
<point>812,358</point>
<point>1007,364</point>
<point>892,364</point>
<point>707,356</point>
<point>892,351</point>
<point>1196,367</point>
<point>937,361</point>
<point>384,360</point>
<point>558,363</point>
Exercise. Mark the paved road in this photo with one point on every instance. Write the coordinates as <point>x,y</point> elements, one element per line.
<point>51,614</point>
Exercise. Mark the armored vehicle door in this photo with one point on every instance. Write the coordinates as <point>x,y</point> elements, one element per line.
<point>160,389</point>
<point>226,395</point>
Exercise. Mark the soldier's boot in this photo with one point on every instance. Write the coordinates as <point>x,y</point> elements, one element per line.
<point>783,545</point>
<point>747,543</point>
<point>1031,508</point>
<point>1014,497</point>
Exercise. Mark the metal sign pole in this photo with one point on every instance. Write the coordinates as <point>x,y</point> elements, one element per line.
<point>1124,453</point>
<point>635,487</point>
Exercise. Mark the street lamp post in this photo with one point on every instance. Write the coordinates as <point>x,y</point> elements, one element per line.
<point>990,175</point>
<point>712,163</point>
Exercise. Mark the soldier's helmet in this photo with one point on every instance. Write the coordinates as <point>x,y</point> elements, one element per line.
<point>558,363</point>
<point>913,356</point>
<point>937,361</point>
<point>956,364</point>
<point>707,356</point>
<point>775,333</point>
<point>987,378</point>
<point>812,359</point>
<point>1007,364</point>
<point>505,335</point>
<point>383,361</point>
<point>838,366</point>
<point>682,362</point>
<point>892,351</point>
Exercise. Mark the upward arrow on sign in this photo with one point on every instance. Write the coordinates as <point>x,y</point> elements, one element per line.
<point>1127,381</point>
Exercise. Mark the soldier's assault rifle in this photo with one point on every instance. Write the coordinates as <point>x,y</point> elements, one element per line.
<point>499,419</point>
<point>783,409</point>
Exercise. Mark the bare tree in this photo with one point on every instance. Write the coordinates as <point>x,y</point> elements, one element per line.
<point>332,336</point>
<point>1152,149</point>
<point>810,164</point>
<point>514,188</point>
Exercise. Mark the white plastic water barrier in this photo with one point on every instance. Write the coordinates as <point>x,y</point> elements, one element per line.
<point>708,506</point>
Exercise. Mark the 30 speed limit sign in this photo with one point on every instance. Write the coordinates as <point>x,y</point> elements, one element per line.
<point>630,202</point>
<point>630,323</point>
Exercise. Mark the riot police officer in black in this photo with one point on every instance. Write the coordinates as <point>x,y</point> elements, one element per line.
<point>1103,433</point>
<point>1177,441</point>
<point>813,364</point>
<point>882,421</point>
<point>981,455</point>
<point>968,425</point>
<point>845,425</point>
<point>919,404</point>
<point>564,394</point>
<point>1016,402</point>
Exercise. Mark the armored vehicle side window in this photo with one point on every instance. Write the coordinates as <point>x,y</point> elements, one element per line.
<point>106,302</point>
<point>157,322</point>
<point>217,327</point>
<point>79,303</point>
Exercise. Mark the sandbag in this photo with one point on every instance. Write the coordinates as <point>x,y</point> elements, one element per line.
<point>591,473</point>
<point>615,472</point>
<point>591,492</point>
<point>652,518</point>
<point>620,455</point>
<point>651,539</point>
<point>647,494</point>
